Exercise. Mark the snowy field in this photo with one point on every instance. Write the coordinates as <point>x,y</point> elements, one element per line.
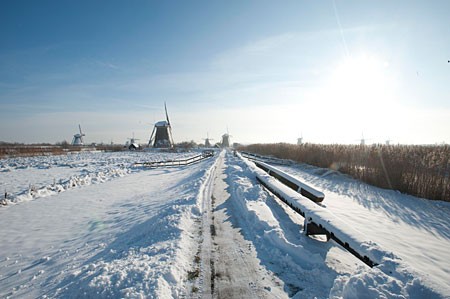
<point>93,225</point>
<point>34,177</point>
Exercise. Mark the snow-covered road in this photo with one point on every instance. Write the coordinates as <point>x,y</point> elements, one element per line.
<point>258,249</point>
<point>236,272</point>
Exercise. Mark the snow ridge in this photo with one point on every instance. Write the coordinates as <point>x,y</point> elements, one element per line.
<point>54,174</point>
<point>63,185</point>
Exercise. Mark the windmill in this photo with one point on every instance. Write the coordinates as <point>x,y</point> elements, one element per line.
<point>362,140</point>
<point>161,136</point>
<point>207,141</point>
<point>132,144</point>
<point>226,139</point>
<point>78,138</point>
<point>300,140</point>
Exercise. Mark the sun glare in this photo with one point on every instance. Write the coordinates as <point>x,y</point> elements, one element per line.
<point>358,96</point>
<point>360,79</point>
<point>362,85</point>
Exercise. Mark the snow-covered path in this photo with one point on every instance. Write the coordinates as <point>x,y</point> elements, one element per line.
<point>258,250</point>
<point>237,271</point>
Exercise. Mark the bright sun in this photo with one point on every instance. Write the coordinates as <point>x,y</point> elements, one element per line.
<point>360,84</point>
<point>359,95</point>
<point>361,78</point>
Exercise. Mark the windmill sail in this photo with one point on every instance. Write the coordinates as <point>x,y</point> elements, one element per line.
<point>81,134</point>
<point>167,115</point>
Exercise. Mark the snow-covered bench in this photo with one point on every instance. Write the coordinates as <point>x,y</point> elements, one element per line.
<point>292,182</point>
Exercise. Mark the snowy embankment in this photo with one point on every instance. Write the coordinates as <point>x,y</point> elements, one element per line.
<point>25,179</point>
<point>391,277</point>
<point>305,267</point>
<point>134,236</point>
<point>416,231</point>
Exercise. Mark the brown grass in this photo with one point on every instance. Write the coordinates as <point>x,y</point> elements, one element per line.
<point>25,150</point>
<point>422,171</point>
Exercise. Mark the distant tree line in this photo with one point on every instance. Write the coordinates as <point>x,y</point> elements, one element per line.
<point>418,170</point>
<point>187,145</point>
<point>8,149</point>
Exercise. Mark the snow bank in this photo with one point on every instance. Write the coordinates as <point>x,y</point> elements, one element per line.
<point>417,230</point>
<point>28,178</point>
<point>131,237</point>
<point>375,283</point>
<point>64,185</point>
<point>391,279</point>
<point>151,262</point>
<point>281,247</point>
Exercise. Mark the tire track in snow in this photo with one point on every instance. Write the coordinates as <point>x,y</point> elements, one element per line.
<point>235,269</point>
<point>207,264</point>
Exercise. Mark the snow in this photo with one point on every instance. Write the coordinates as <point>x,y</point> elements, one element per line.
<point>316,194</point>
<point>29,178</point>
<point>95,225</point>
<point>126,237</point>
<point>162,123</point>
<point>321,216</point>
<point>416,230</point>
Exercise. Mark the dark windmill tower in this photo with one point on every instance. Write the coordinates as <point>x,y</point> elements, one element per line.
<point>226,140</point>
<point>161,136</point>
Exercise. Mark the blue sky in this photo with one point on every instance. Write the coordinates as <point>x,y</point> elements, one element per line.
<point>270,71</point>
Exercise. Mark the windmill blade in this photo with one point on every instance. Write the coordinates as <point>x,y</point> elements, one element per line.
<point>170,136</point>
<point>167,115</point>
<point>152,136</point>
<point>81,135</point>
